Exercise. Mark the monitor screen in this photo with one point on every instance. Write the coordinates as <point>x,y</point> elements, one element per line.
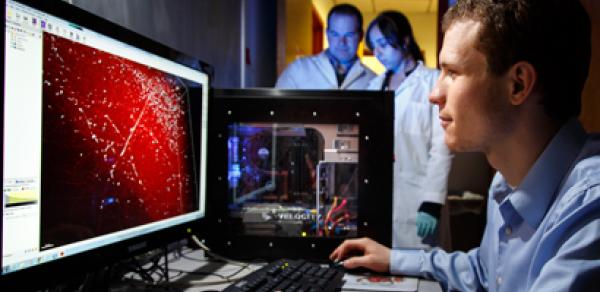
<point>98,139</point>
<point>295,172</point>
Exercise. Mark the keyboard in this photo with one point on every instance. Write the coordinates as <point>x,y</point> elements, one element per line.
<point>290,276</point>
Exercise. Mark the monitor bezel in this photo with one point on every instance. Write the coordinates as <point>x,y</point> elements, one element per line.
<point>375,120</point>
<point>45,275</point>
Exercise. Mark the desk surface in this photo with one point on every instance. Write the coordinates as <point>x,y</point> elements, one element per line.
<point>195,273</point>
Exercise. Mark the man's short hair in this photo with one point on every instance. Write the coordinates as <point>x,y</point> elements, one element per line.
<point>552,35</point>
<point>346,9</point>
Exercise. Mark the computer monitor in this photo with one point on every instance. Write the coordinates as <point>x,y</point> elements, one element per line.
<point>294,173</point>
<point>104,141</point>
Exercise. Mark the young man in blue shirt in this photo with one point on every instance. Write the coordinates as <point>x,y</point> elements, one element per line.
<point>510,87</point>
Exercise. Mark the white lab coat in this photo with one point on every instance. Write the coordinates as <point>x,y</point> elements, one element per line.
<point>422,159</point>
<point>316,72</point>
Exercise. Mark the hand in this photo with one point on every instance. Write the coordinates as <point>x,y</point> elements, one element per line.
<point>374,256</point>
<point>425,224</point>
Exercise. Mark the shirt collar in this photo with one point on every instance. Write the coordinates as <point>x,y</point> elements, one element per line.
<point>415,73</point>
<point>541,184</point>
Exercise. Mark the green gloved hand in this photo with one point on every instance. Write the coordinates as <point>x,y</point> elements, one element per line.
<point>426,224</point>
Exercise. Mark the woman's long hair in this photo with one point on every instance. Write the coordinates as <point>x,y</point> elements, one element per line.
<point>395,28</point>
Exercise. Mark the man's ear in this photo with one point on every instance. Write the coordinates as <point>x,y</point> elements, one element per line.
<point>523,78</point>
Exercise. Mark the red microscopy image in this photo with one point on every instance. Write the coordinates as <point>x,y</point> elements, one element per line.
<point>116,144</point>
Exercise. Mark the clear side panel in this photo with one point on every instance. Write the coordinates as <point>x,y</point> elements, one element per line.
<point>293,180</point>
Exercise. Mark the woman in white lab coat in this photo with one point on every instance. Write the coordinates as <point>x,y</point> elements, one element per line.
<point>422,160</point>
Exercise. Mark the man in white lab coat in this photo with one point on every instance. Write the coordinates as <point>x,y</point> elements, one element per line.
<point>337,67</point>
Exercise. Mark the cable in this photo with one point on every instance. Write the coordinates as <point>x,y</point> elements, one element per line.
<point>199,273</point>
<point>225,279</point>
<point>229,279</point>
<point>184,253</point>
<point>155,271</point>
<point>207,283</point>
<point>237,272</point>
<point>217,256</point>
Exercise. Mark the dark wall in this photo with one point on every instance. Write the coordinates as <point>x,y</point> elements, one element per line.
<point>470,172</point>
<point>205,29</point>
<point>261,43</point>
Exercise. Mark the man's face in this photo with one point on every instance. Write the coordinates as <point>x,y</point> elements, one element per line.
<point>474,103</point>
<point>343,35</point>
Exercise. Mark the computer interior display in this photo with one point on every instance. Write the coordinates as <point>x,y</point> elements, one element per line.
<point>102,156</point>
<point>298,173</point>
<point>281,183</point>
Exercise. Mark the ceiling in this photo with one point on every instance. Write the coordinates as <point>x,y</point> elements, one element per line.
<point>405,6</point>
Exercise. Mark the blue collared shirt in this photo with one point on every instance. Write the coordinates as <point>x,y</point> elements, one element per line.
<point>341,68</point>
<point>543,235</point>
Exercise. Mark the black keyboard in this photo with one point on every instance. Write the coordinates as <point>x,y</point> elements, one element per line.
<point>290,276</point>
